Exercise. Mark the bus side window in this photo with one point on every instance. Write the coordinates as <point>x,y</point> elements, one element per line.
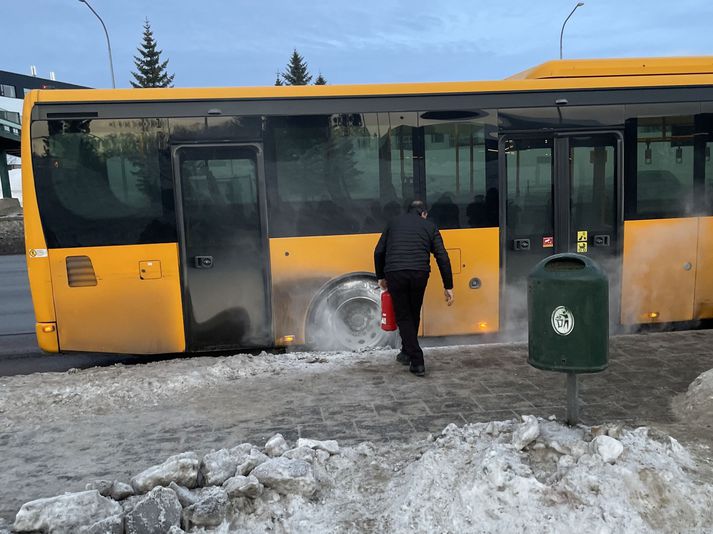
<point>344,173</point>
<point>663,148</point>
<point>460,177</point>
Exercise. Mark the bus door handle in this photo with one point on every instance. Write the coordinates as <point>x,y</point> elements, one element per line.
<point>203,262</point>
<point>601,240</point>
<point>521,244</point>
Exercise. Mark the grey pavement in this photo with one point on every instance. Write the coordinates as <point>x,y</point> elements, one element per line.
<point>20,355</point>
<point>373,399</point>
<point>16,313</point>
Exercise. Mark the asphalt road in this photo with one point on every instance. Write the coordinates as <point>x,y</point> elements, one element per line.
<point>16,315</point>
<point>19,353</point>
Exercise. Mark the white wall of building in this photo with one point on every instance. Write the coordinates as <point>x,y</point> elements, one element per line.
<point>13,104</point>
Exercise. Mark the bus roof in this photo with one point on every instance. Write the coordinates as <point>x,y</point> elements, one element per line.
<point>586,68</point>
<point>552,75</point>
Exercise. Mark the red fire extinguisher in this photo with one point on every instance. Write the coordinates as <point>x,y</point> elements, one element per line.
<point>388,318</point>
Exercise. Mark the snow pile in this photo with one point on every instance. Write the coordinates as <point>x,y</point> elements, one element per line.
<point>123,387</point>
<point>696,404</point>
<point>531,475</point>
<point>475,479</point>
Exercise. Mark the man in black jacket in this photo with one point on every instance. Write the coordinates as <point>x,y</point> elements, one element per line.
<point>402,263</point>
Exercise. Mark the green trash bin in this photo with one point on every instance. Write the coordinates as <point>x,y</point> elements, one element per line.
<point>568,315</point>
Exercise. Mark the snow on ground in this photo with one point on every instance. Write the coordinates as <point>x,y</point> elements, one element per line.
<point>528,475</point>
<point>122,387</point>
<point>474,479</point>
<point>697,403</point>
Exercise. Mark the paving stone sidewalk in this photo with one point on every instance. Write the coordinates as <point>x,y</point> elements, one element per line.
<point>487,382</point>
<point>373,399</point>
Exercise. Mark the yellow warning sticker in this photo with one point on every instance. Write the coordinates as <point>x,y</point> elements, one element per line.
<point>582,247</point>
<point>582,236</point>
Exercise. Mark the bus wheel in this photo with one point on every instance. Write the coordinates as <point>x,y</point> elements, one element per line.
<point>346,315</point>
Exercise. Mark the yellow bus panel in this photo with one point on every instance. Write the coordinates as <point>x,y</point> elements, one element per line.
<point>123,299</point>
<point>549,76</point>
<point>302,265</point>
<point>703,308</point>
<point>474,254</point>
<point>38,267</point>
<point>659,270</point>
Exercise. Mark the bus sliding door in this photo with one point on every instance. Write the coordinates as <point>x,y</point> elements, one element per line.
<point>561,194</point>
<point>224,246</point>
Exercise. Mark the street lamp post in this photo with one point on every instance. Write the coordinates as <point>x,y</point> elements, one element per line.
<point>108,44</point>
<point>579,4</point>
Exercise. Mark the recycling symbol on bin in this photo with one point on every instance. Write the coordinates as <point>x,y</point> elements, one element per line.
<point>562,321</point>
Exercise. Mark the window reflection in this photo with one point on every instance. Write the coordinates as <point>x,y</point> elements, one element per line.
<point>103,181</point>
<point>338,174</point>
<point>664,163</point>
<point>529,187</point>
<point>460,184</point>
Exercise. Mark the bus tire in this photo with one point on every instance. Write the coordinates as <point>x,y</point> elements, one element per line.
<point>346,315</point>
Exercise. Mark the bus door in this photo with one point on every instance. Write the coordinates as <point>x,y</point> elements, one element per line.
<point>223,236</point>
<point>561,193</point>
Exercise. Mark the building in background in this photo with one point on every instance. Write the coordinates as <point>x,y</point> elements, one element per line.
<point>13,88</point>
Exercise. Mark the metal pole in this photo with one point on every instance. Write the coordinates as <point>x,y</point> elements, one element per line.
<point>572,399</point>
<point>4,177</point>
<point>108,44</point>
<point>579,4</point>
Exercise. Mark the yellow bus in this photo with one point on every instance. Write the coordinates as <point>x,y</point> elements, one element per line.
<point>189,220</point>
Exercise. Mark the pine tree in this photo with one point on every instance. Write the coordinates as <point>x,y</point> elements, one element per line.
<point>296,73</point>
<point>278,80</point>
<point>151,70</point>
<point>320,80</point>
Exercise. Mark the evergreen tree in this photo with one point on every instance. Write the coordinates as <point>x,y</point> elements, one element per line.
<point>296,73</point>
<point>278,80</point>
<point>320,80</point>
<point>151,70</point>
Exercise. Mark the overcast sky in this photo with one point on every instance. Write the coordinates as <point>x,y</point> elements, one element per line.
<point>241,42</point>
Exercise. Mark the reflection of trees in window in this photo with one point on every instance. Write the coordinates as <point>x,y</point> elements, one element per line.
<point>246,128</point>
<point>103,181</point>
<point>316,157</point>
<point>342,171</point>
<point>116,163</point>
<point>136,157</point>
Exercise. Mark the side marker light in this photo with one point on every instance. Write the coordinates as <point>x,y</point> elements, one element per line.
<point>48,328</point>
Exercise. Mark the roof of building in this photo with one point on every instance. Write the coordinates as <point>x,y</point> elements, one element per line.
<point>33,82</point>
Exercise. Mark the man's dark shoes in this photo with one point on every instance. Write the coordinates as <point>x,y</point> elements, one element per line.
<point>403,358</point>
<point>418,370</point>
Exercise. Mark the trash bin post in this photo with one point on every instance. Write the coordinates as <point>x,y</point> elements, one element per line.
<point>572,399</point>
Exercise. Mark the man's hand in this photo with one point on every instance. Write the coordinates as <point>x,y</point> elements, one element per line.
<point>449,296</point>
<point>382,284</point>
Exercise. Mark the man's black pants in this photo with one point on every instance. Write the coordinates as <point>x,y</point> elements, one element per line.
<point>407,289</point>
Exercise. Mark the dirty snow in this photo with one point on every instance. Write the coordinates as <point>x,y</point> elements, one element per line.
<point>475,478</point>
<point>519,475</point>
<point>472,479</point>
<point>697,403</point>
<point>49,396</point>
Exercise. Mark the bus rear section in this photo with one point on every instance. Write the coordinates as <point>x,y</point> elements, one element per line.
<point>115,266</point>
<point>104,260</point>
